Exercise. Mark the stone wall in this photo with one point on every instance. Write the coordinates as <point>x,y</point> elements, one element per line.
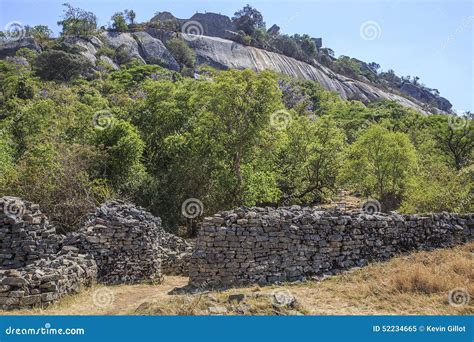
<point>25,234</point>
<point>35,269</point>
<point>119,244</point>
<point>265,245</point>
<point>124,241</point>
<point>176,255</point>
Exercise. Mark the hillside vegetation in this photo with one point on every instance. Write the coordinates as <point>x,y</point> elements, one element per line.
<point>70,140</point>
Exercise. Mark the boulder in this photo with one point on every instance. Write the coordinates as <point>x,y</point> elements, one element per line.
<point>226,54</point>
<point>10,47</point>
<point>425,96</point>
<point>87,45</point>
<point>125,44</point>
<point>154,51</point>
<point>215,25</point>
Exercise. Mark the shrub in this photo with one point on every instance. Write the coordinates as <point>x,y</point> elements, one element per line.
<point>183,54</point>
<point>60,65</point>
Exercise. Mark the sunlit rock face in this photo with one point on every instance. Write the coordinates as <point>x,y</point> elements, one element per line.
<point>226,54</point>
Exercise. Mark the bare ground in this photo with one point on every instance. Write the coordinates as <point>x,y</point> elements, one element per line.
<point>417,284</point>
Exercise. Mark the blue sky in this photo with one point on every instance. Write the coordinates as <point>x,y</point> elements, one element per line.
<point>432,39</point>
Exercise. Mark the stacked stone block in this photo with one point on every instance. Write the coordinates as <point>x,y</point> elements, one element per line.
<point>266,245</point>
<point>25,234</point>
<point>35,270</point>
<point>176,255</point>
<point>125,242</point>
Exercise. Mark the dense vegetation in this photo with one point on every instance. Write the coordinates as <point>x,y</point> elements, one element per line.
<point>70,140</point>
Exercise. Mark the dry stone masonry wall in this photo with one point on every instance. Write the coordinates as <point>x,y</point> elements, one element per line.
<point>266,245</point>
<point>176,254</point>
<point>35,269</point>
<point>124,241</point>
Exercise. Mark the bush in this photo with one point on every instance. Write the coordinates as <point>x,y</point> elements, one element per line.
<point>60,65</point>
<point>380,164</point>
<point>183,54</point>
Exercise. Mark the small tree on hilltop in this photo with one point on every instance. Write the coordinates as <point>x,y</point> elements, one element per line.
<point>248,20</point>
<point>130,15</point>
<point>118,22</point>
<point>76,21</point>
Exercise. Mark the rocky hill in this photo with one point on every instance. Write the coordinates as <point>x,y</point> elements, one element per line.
<point>213,47</point>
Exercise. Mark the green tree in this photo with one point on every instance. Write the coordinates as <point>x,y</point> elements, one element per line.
<point>455,137</point>
<point>130,15</point>
<point>119,23</point>
<point>183,54</point>
<point>310,160</point>
<point>77,21</point>
<point>123,146</point>
<point>60,65</point>
<point>248,20</point>
<point>41,33</point>
<point>381,164</point>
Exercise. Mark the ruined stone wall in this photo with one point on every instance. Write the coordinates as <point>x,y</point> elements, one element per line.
<point>119,244</point>
<point>35,269</point>
<point>176,255</point>
<point>25,234</point>
<point>124,241</point>
<point>265,245</point>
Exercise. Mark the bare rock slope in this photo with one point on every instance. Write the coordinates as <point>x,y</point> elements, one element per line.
<point>226,54</point>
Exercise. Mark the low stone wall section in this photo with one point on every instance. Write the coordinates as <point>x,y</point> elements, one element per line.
<point>266,245</point>
<point>35,269</point>
<point>125,242</point>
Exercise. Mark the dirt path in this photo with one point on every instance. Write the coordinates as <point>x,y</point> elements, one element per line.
<point>108,300</point>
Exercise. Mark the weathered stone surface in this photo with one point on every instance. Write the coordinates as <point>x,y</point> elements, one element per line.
<point>425,96</point>
<point>226,54</point>
<point>34,270</point>
<point>214,24</point>
<point>124,240</point>
<point>10,47</point>
<point>266,245</point>
<point>87,45</point>
<point>124,44</point>
<point>155,52</point>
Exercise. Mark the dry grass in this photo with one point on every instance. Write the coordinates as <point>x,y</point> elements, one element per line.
<point>408,285</point>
